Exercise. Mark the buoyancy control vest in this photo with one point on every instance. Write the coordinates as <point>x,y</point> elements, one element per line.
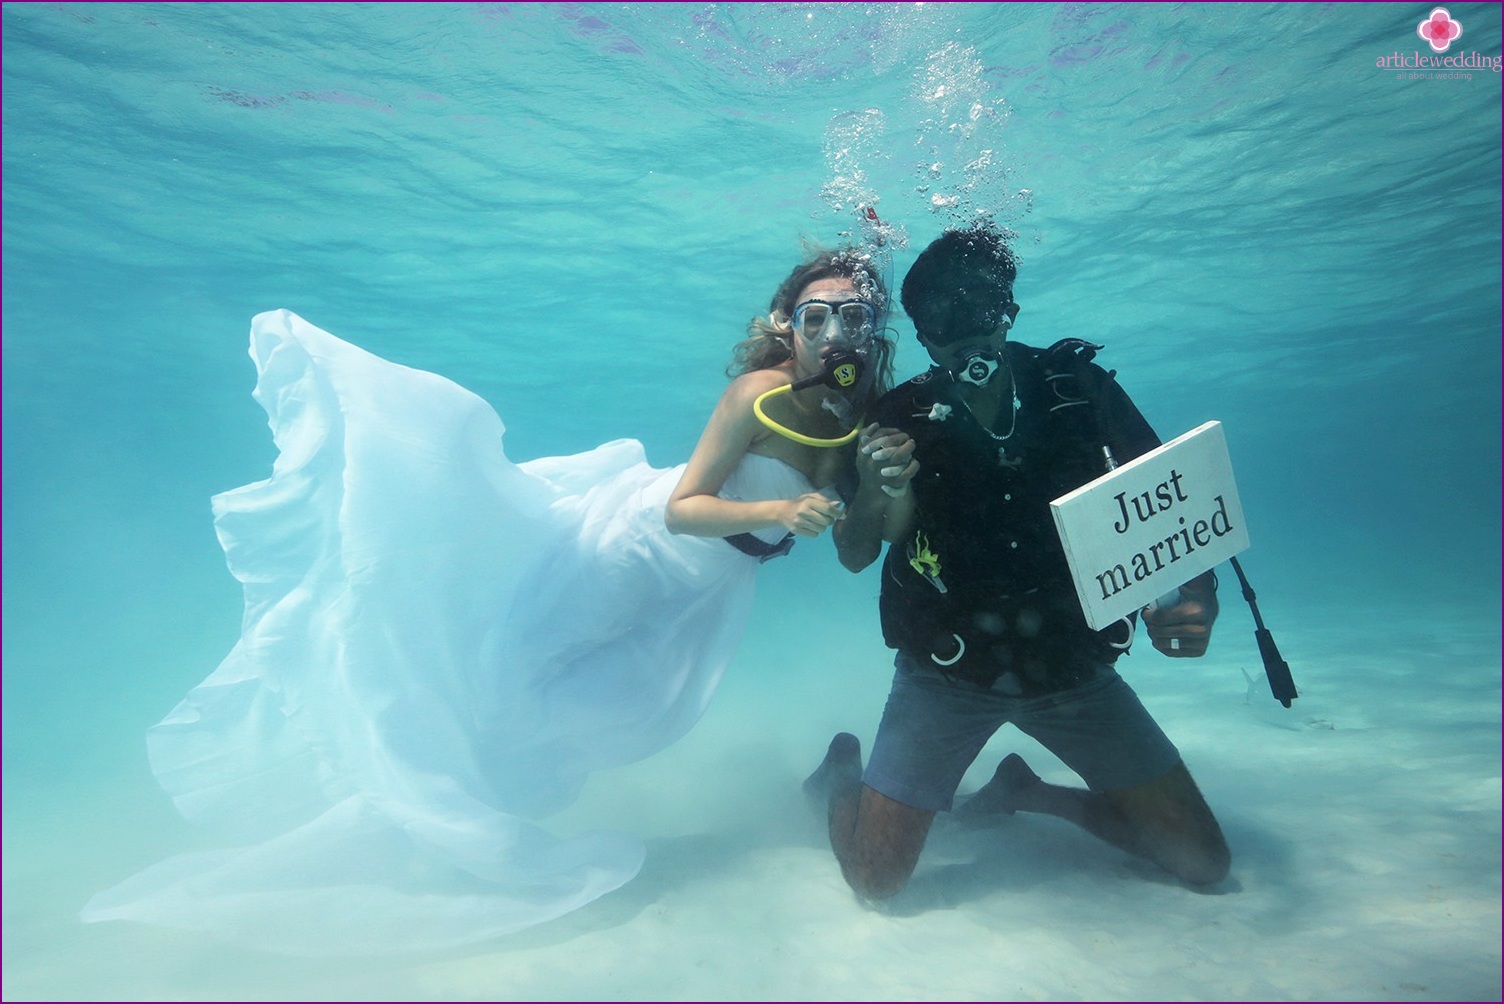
<point>980,587</point>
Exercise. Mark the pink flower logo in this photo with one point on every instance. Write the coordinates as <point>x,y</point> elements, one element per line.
<point>1440,30</point>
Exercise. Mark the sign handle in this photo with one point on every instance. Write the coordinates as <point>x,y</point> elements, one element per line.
<point>1281,685</point>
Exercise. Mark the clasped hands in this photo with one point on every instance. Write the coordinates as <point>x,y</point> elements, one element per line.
<point>886,457</point>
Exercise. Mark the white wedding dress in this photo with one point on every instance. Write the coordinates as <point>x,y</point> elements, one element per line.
<point>438,646</point>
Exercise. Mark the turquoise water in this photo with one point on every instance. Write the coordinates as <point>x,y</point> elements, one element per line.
<point>573,209</point>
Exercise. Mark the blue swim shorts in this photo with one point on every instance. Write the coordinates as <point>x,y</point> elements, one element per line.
<point>933,728</point>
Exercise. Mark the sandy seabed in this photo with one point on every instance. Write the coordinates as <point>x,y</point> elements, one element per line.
<point>1364,823</point>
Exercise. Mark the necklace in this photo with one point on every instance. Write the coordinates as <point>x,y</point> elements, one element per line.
<point>1003,459</point>
<point>1012,424</point>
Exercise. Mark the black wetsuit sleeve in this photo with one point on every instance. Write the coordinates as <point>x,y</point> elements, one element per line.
<point>892,409</point>
<point>847,482</point>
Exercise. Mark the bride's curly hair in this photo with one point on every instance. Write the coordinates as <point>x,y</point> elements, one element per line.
<point>771,336</point>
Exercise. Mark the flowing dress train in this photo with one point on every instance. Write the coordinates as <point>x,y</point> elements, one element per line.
<point>438,647</point>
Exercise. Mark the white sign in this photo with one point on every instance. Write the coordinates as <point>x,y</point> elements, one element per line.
<point>1158,521</point>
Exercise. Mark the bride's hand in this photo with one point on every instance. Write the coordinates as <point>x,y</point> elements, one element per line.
<point>810,515</point>
<point>885,457</point>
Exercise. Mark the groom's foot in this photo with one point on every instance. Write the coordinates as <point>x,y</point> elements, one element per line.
<point>1004,794</point>
<point>842,766</point>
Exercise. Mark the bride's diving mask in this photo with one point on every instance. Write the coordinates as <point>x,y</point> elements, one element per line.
<point>841,337</point>
<point>849,323</point>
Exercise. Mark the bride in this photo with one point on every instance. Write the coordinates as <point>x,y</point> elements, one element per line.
<point>439,645</point>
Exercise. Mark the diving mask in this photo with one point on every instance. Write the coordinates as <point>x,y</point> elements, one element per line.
<point>968,316</point>
<point>852,323</point>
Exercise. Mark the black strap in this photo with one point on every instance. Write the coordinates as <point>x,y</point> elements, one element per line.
<point>1281,685</point>
<point>756,547</point>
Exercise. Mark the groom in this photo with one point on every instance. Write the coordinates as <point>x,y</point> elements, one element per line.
<point>957,476</point>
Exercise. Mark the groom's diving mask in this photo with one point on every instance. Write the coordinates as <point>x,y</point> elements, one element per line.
<point>974,319</point>
<point>844,335</point>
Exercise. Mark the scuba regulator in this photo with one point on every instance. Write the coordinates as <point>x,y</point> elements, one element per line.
<point>842,370</point>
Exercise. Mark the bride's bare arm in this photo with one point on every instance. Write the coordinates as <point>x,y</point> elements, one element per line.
<point>695,508</point>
